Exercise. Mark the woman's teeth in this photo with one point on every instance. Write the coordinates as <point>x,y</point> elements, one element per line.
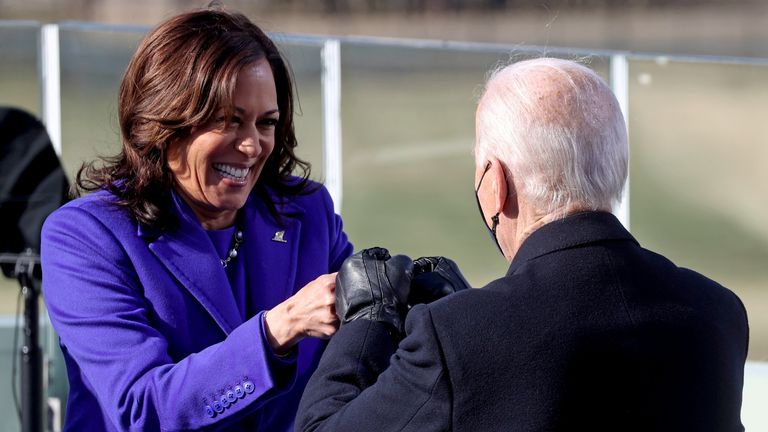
<point>231,172</point>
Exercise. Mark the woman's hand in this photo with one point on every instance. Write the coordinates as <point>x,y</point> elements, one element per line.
<point>309,312</point>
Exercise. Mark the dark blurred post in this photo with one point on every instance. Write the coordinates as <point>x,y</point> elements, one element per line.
<point>31,354</point>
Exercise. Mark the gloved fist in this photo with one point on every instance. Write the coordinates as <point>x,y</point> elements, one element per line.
<point>434,278</point>
<point>373,285</point>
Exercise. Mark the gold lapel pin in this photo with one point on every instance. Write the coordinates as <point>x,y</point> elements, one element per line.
<point>279,237</point>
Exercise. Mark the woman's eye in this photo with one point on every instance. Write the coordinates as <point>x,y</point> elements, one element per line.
<point>268,122</point>
<point>224,122</point>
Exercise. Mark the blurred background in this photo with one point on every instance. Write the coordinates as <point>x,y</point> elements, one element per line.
<point>696,75</point>
<point>727,27</point>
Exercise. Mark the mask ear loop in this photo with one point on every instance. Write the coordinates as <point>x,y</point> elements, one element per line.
<point>495,220</point>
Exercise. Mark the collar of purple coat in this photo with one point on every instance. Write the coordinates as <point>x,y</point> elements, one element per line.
<point>188,254</point>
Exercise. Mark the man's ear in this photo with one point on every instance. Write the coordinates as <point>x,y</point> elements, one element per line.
<point>498,174</point>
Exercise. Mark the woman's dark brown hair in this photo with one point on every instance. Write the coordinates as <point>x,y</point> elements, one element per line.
<point>183,72</point>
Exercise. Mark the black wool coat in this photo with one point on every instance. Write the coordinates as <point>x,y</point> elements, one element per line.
<point>587,331</point>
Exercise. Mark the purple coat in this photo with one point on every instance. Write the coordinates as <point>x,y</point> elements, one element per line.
<point>152,338</point>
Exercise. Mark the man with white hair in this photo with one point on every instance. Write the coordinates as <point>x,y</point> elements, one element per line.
<point>586,331</point>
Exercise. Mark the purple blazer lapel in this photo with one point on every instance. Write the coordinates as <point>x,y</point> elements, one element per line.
<point>272,249</point>
<point>189,255</point>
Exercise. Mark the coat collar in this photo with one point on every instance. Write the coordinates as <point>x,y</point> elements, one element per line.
<point>575,230</point>
<point>187,252</point>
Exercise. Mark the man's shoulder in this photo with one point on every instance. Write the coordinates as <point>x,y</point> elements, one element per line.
<point>514,286</point>
<point>712,292</point>
<point>466,306</point>
<point>688,282</point>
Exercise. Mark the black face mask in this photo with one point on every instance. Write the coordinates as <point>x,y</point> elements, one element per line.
<point>494,218</point>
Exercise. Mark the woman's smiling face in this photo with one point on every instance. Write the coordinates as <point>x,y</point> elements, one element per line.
<point>217,166</point>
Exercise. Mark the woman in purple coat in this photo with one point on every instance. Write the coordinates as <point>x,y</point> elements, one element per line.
<point>194,287</point>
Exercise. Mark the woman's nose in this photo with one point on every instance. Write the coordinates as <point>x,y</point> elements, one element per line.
<point>249,144</point>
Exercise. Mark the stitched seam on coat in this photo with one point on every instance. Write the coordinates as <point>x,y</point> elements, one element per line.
<point>443,370</point>
<point>360,356</point>
<point>618,287</point>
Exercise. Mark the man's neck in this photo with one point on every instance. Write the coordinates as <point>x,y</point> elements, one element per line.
<point>529,220</point>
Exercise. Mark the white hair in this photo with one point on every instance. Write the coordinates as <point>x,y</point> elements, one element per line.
<point>558,128</point>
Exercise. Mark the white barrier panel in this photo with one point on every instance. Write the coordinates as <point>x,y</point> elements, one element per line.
<point>754,414</point>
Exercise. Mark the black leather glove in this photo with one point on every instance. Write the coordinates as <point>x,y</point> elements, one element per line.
<point>373,285</point>
<point>434,278</point>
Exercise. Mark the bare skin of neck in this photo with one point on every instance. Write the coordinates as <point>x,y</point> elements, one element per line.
<point>515,229</point>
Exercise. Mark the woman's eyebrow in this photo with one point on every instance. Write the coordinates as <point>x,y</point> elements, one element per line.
<point>240,110</point>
